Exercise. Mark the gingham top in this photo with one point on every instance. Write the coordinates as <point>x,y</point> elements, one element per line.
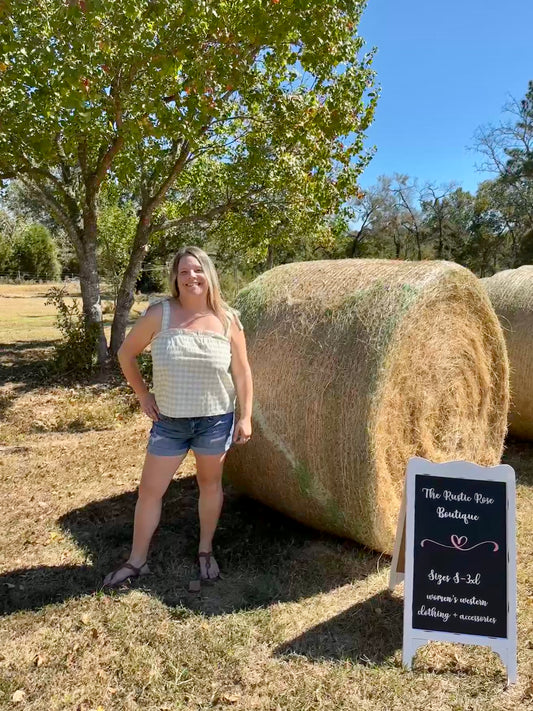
<point>191,370</point>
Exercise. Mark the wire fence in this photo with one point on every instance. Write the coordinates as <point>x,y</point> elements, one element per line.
<point>16,277</point>
<point>26,276</point>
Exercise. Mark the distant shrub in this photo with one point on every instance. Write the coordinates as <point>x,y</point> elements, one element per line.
<point>35,253</point>
<point>77,351</point>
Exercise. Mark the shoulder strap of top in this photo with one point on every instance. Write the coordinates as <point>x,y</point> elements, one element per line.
<point>232,318</point>
<point>165,321</point>
<point>238,321</point>
<point>227,328</point>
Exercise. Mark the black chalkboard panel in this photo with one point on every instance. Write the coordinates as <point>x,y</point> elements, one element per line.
<point>460,556</point>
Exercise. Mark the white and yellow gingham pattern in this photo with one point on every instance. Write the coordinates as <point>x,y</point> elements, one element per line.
<point>191,371</point>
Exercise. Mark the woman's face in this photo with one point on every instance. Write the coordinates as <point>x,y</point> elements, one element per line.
<point>191,278</point>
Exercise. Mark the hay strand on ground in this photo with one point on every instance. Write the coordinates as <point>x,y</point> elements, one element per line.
<point>511,294</point>
<point>358,365</point>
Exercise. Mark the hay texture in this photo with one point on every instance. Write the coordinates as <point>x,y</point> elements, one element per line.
<point>511,294</point>
<point>358,365</point>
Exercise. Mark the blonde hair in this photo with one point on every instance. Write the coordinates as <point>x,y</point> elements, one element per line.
<point>215,300</point>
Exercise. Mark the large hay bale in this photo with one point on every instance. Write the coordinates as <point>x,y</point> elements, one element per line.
<point>511,294</point>
<point>358,365</point>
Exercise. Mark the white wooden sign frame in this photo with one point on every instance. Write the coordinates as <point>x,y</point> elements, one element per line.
<point>413,638</point>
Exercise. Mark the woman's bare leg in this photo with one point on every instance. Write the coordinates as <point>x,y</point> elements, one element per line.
<point>156,476</point>
<point>209,476</point>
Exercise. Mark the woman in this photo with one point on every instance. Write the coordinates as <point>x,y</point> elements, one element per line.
<point>199,364</point>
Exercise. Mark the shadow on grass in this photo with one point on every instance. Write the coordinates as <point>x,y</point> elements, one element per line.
<point>370,631</point>
<point>519,455</point>
<point>265,557</point>
<point>27,363</point>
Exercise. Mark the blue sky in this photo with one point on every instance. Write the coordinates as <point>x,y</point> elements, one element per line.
<point>445,68</point>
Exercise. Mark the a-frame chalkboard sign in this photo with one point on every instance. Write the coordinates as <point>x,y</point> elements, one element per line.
<point>456,544</point>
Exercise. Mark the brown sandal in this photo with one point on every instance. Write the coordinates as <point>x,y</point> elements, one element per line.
<point>135,573</point>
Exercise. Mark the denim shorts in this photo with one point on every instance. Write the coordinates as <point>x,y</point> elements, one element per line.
<point>173,436</point>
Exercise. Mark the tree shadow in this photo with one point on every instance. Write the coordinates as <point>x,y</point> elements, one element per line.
<point>265,557</point>
<point>370,631</point>
<point>21,346</point>
<point>27,364</point>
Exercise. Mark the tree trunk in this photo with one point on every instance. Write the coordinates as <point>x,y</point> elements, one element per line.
<point>440,247</point>
<point>397,246</point>
<point>89,276</point>
<point>126,290</point>
<point>90,294</point>
<point>418,245</point>
<point>356,241</point>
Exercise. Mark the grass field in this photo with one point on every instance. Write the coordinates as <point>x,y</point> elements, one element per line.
<point>301,621</point>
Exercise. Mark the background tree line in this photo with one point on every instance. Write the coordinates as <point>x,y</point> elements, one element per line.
<point>486,231</point>
<point>397,218</point>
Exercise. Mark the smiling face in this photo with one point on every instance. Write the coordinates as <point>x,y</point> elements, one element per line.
<point>190,277</point>
<point>193,278</point>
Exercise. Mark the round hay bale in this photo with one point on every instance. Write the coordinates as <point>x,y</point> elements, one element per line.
<point>511,294</point>
<point>358,365</point>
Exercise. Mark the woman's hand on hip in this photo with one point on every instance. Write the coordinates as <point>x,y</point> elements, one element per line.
<point>243,431</point>
<point>149,406</point>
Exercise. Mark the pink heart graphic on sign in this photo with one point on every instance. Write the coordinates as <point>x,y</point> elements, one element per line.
<point>459,541</point>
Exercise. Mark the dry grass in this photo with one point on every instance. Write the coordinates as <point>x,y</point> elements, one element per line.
<point>301,621</point>
<point>23,311</point>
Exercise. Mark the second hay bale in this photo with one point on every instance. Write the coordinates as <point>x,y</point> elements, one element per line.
<point>358,365</point>
<point>511,294</point>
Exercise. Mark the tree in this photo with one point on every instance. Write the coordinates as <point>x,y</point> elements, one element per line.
<point>408,197</point>
<point>388,221</point>
<point>436,217</point>
<point>508,152</point>
<point>468,230</point>
<point>142,90</point>
<point>27,249</point>
<point>511,205</point>
<point>451,228</point>
<point>357,218</point>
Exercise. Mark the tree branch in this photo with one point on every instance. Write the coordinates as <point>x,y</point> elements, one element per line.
<point>56,210</point>
<point>65,168</point>
<point>105,162</point>
<point>82,159</point>
<point>36,172</point>
<point>195,219</point>
<point>174,172</point>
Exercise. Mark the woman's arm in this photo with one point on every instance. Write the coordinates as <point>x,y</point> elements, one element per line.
<point>242,377</point>
<point>135,342</point>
